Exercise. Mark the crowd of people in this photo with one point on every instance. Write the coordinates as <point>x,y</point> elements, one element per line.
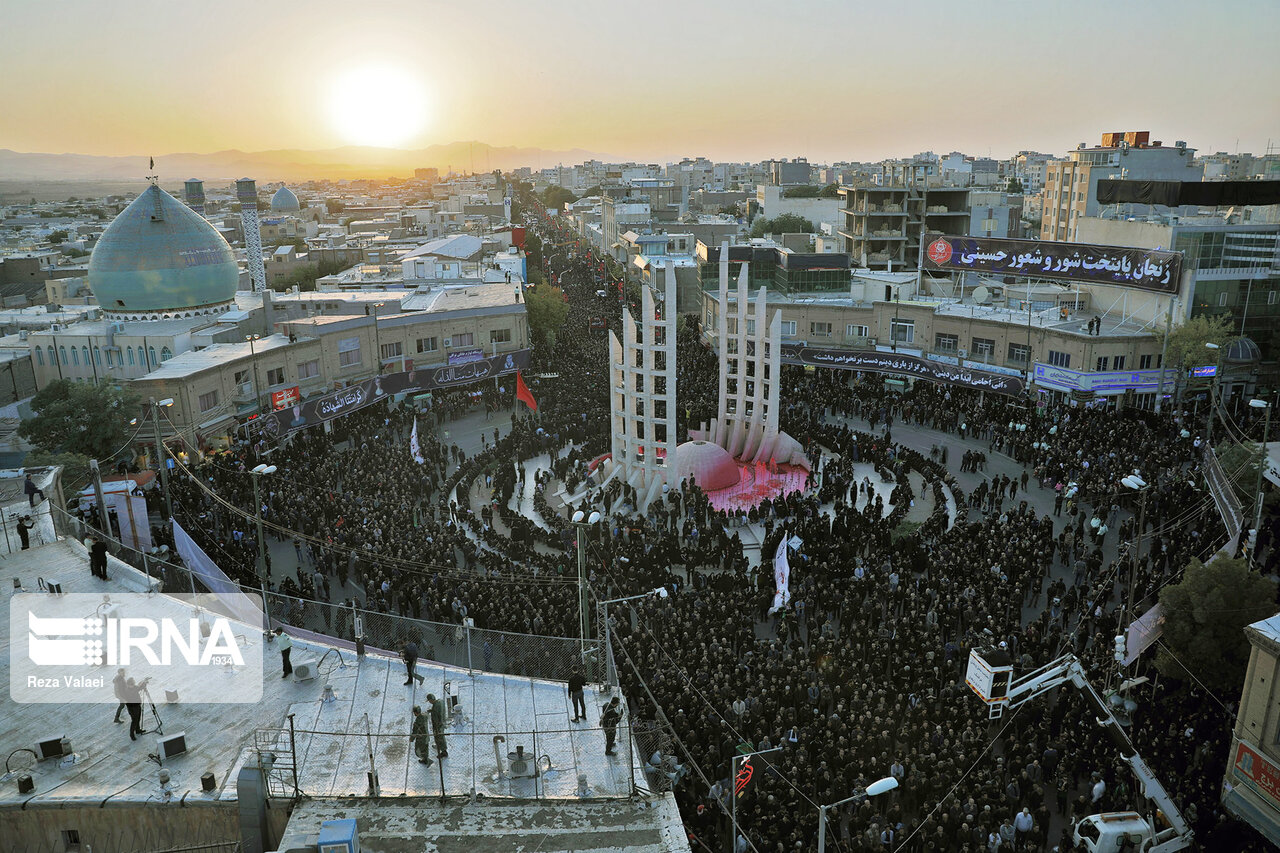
<point>861,675</point>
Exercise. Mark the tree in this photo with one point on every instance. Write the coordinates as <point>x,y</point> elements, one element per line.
<point>547,310</point>
<point>1187,342</point>
<point>334,206</point>
<point>787,223</point>
<point>1014,186</point>
<point>80,417</point>
<point>1204,619</point>
<point>59,236</point>
<point>557,197</point>
<point>830,191</point>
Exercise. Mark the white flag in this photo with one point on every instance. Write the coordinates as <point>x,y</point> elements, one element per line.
<point>414,449</point>
<point>781,576</point>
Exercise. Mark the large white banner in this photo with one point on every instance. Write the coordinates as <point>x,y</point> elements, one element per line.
<point>781,576</point>
<point>131,511</point>
<point>414,448</point>
<point>233,602</point>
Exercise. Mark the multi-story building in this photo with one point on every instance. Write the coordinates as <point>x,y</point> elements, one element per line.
<point>1250,790</point>
<point>789,173</point>
<point>1071,185</point>
<point>1232,270</point>
<point>883,224</point>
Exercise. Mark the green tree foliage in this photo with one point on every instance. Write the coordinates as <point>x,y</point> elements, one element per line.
<point>1187,342</point>
<point>1014,186</point>
<point>304,278</point>
<point>1204,619</point>
<point>333,205</point>
<point>79,417</point>
<point>547,310</point>
<point>58,236</point>
<point>557,197</point>
<point>1240,462</point>
<point>812,191</point>
<point>830,191</point>
<point>787,223</point>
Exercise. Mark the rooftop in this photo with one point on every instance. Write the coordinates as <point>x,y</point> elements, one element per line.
<point>194,361</point>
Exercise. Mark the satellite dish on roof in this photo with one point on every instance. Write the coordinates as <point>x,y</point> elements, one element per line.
<point>981,295</point>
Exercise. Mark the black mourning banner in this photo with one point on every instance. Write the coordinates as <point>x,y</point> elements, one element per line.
<point>909,365</point>
<point>420,379</point>
<point>1147,269</point>
<point>1198,193</point>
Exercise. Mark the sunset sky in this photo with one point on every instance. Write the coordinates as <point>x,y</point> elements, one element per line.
<point>827,79</point>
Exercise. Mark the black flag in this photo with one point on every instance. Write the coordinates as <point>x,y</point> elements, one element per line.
<point>153,164</point>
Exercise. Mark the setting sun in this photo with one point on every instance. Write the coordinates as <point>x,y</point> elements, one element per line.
<point>379,105</point>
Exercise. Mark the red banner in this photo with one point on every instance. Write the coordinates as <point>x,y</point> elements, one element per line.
<point>285,398</point>
<point>1256,771</point>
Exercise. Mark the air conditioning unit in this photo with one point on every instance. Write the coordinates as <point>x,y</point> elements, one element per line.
<point>304,671</point>
<point>871,342</point>
<point>963,353</point>
<point>448,342</point>
<point>23,334</point>
<point>56,327</point>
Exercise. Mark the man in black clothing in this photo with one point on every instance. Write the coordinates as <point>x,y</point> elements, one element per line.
<point>32,490</point>
<point>576,684</point>
<point>133,703</point>
<point>24,526</point>
<point>118,684</point>
<point>410,655</point>
<point>98,558</point>
<point>609,721</point>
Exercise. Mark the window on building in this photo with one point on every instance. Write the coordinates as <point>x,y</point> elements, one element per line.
<point>53,358</point>
<point>165,354</point>
<point>821,330</point>
<point>788,328</point>
<point>75,357</point>
<point>1117,363</point>
<point>111,359</point>
<point>142,357</point>
<point>1101,364</point>
<point>902,331</point>
<point>1019,354</point>
<point>1273,296</point>
<point>427,344</point>
<point>275,376</point>
<point>1059,359</point>
<point>85,350</point>
<point>946,343</point>
<point>208,400</point>
<point>856,330</point>
<point>39,356</point>
<point>463,339</point>
<point>1222,300</point>
<point>62,353</point>
<point>1144,362</point>
<point>151,355</point>
<point>751,327</point>
<point>308,369</point>
<point>392,350</point>
<point>348,352</point>
<point>983,348</point>
<point>500,336</point>
<point>97,355</point>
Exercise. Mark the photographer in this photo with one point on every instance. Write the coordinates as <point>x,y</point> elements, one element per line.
<point>24,527</point>
<point>133,704</point>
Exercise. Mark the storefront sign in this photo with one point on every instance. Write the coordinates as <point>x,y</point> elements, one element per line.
<point>285,398</point>
<point>302,415</point>
<point>1254,770</point>
<point>1148,269</point>
<point>465,356</point>
<point>1105,383</point>
<point>897,363</point>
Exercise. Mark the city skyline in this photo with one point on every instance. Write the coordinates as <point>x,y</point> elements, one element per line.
<point>829,81</point>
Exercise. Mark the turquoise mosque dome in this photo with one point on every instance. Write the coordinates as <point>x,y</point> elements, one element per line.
<point>159,258</point>
<point>284,201</point>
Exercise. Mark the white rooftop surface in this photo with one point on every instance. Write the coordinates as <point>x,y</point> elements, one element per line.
<point>194,361</point>
<point>1269,628</point>
<point>333,749</point>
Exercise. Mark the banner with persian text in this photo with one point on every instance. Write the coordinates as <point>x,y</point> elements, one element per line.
<point>910,365</point>
<point>357,396</point>
<point>1147,269</point>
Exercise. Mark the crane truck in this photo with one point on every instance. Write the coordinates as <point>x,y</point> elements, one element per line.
<point>990,675</point>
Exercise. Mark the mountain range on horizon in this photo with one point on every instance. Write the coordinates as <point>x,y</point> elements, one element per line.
<point>294,164</point>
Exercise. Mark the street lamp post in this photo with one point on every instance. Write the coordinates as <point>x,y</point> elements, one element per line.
<point>580,522</point>
<point>661,592</point>
<point>1139,485</point>
<point>880,786</point>
<point>1213,392</point>
<point>257,472</point>
<point>1262,466</point>
<point>257,386</point>
<point>161,462</point>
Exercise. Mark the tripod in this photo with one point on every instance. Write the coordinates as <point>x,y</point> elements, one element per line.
<point>146,694</point>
